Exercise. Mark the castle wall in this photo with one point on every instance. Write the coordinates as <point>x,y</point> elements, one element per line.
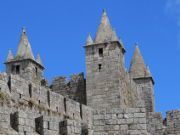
<point>173,122</point>
<point>46,112</point>
<point>145,91</point>
<point>42,106</point>
<point>74,88</point>
<point>155,123</point>
<point>119,121</point>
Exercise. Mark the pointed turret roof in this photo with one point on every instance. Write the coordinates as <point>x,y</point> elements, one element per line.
<point>148,73</point>
<point>24,49</point>
<point>38,60</point>
<point>138,69</point>
<point>89,40</point>
<point>105,31</point>
<point>10,56</point>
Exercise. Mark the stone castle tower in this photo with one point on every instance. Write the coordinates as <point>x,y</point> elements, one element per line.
<point>24,63</point>
<point>109,101</point>
<point>108,84</point>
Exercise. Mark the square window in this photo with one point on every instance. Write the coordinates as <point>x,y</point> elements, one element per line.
<point>100,52</point>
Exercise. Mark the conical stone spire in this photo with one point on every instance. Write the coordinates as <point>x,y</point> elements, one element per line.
<point>148,72</point>
<point>89,40</point>
<point>10,56</point>
<point>105,32</point>
<point>138,68</point>
<point>24,49</point>
<point>38,59</point>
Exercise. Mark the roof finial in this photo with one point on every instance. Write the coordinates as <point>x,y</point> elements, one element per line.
<point>136,44</point>
<point>104,12</point>
<point>24,29</point>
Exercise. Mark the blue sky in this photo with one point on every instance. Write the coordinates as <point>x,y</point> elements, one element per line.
<point>58,29</point>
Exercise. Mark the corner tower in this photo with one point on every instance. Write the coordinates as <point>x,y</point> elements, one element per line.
<point>24,63</point>
<point>104,67</point>
<point>141,75</point>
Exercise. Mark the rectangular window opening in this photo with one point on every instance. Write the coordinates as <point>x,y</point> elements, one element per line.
<point>100,52</point>
<point>17,69</point>
<point>48,125</point>
<point>81,110</point>
<point>65,104</point>
<point>30,90</point>
<point>39,125</point>
<point>48,98</point>
<point>9,83</point>
<point>100,67</point>
<point>36,71</point>
<point>14,121</point>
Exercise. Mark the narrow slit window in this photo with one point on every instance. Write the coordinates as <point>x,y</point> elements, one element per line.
<point>9,83</point>
<point>65,104</point>
<point>100,52</point>
<point>48,98</point>
<point>48,125</point>
<point>36,70</point>
<point>30,90</point>
<point>100,67</point>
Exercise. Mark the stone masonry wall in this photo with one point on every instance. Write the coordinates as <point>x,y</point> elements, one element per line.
<point>40,111</point>
<point>155,123</point>
<point>119,121</point>
<point>74,88</point>
<point>173,122</point>
<point>145,91</point>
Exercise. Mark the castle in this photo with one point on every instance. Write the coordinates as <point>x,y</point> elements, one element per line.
<point>109,101</point>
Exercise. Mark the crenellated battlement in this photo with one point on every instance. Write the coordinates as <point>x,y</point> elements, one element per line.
<point>73,87</point>
<point>29,101</point>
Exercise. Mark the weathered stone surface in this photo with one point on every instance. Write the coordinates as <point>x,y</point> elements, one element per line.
<point>110,101</point>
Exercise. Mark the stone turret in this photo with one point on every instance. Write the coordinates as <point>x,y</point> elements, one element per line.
<point>138,69</point>
<point>141,75</point>
<point>105,68</point>
<point>89,40</point>
<point>24,63</point>
<point>10,56</point>
<point>38,59</point>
